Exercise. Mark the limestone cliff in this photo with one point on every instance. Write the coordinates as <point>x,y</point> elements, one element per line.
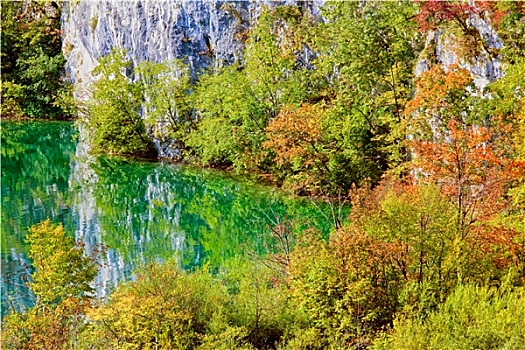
<point>206,33</point>
<point>446,47</point>
<point>202,32</point>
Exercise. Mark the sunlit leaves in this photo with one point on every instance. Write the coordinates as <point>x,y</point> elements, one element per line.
<point>62,284</point>
<point>115,122</point>
<point>62,270</point>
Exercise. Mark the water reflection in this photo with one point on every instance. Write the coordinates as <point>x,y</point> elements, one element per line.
<point>141,211</point>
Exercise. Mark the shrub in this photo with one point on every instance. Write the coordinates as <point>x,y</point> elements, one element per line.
<point>471,318</point>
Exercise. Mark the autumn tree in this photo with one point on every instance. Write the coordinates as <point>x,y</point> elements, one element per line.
<point>442,94</point>
<point>433,13</point>
<point>62,284</point>
<point>295,136</point>
<point>398,251</point>
<point>464,150</point>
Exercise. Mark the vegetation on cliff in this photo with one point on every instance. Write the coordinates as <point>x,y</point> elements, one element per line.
<point>33,82</point>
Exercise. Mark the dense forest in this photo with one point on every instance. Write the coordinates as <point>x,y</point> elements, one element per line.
<point>433,253</point>
<point>33,85</point>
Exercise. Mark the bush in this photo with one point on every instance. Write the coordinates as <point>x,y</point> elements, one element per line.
<point>115,122</point>
<point>471,318</point>
<point>164,308</point>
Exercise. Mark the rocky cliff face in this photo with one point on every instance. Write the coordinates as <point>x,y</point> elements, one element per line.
<point>444,47</point>
<point>202,32</point>
<point>207,33</point>
<point>213,32</point>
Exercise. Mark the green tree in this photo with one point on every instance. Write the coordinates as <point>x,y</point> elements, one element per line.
<point>114,122</point>
<point>32,60</point>
<point>229,119</point>
<point>367,53</point>
<point>234,104</point>
<point>166,99</point>
<point>62,284</point>
<point>259,303</point>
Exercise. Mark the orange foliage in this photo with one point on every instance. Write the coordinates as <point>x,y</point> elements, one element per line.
<point>469,167</point>
<point>437,88</point>
<point>474,172</point>
<point>294,133</point>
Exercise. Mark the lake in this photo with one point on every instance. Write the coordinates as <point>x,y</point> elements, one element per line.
<point>142,211</point>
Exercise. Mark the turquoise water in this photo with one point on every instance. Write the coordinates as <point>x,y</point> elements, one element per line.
<point>142,211</point>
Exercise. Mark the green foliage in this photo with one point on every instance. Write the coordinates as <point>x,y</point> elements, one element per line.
<point>235,104</point>
<point>508,22</point>
<point>292,61</point>
<point>166,308</point>
<point>115,123</point>
<point>403,251</point>
<point>160,92</point>
<point>61,283</point>
<point>62,270</point>
<point>166,98</point>
<point>32,60</point>
<point>367,53</point>
<point>472,317</point>
<point>431,253</point>
<point>12,96</point>
<point>230,118</point>
<point>259,303</point>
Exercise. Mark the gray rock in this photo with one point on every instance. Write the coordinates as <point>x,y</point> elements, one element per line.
<point>203,33</point>
<point>485,67</point>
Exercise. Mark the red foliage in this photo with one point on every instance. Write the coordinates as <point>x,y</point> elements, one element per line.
<point>496,12</point>
<point>474,171</point>
<point>469,167</point>
<point>435,12</point>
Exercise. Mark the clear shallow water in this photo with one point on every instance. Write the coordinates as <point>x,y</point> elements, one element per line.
<point>141,211</point>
